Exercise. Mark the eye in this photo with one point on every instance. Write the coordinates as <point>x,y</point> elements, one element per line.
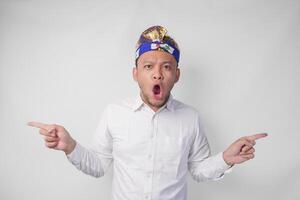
<point>167,67</point>
<point>147,66</point>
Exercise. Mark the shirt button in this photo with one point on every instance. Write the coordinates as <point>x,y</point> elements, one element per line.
<point>147,197</point>
<point>149,174</point>
<point>149,156</point>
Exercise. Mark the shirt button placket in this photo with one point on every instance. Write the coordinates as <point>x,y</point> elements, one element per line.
<point>149,172</point>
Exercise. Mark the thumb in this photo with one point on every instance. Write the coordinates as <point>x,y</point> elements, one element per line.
<point>53,131</point>
<point>243,142</point>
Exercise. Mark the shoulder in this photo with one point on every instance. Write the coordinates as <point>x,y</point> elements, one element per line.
<point>124,104</point>
<point>187,113</point>
<point>181,107</point>
<point>118,111</point>
<point>191,117</point>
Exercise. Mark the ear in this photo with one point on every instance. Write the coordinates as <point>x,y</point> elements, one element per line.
<point>134,73</point>
<point>177,74</point>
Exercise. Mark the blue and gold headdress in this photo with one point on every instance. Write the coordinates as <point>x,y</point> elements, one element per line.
<point>156,38</point>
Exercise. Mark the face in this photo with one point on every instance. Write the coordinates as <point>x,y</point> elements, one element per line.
<point>156,74</point>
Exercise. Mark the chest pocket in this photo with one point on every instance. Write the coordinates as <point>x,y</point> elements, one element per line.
<point>172,155</point>
<point>171,149</point>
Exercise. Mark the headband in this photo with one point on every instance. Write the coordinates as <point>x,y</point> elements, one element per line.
<point>156,38</point>
<point>145,47</point>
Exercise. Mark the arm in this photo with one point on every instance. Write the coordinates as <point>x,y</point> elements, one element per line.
<point>202,166</point>
<point>94,162</point>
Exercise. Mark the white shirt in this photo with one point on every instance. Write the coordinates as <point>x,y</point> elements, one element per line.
<point>151,152</point>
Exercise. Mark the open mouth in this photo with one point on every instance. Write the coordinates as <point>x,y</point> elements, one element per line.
<point>157,92</point>
<point>156,89</point>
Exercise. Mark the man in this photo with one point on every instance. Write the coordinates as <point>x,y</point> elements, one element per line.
<point>153,140</point>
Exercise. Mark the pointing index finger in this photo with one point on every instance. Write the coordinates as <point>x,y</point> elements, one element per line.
<point>257,136</point>
<point>38,125</point>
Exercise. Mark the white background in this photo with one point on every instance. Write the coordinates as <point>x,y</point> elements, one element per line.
<point>64,61</point>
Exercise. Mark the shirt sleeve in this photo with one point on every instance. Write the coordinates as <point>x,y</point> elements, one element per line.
<point>202,165</point>
<point>96,160</point>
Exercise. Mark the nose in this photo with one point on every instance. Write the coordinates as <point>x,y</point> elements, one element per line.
<point>157,75</point>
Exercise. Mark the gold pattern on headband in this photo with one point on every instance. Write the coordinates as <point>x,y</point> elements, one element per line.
<point>155,33</point>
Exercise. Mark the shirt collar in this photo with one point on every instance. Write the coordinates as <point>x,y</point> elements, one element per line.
<point>139,103</point>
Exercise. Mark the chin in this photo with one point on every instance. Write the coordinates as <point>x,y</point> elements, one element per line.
<point>150,98</point>
<point>158,102</point>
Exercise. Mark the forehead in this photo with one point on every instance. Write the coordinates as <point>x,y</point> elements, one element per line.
<point>156,56</point>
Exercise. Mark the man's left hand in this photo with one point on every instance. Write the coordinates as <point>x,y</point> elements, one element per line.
<point>242,149</point>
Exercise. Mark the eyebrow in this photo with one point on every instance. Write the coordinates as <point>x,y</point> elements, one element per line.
<point>150,62</point>
<point>167,62</point>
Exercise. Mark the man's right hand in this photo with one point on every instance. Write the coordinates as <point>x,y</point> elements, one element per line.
<point>55,136</point>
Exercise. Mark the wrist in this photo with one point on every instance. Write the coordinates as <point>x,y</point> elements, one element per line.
<point>70,147</point>
<point>227,160</point>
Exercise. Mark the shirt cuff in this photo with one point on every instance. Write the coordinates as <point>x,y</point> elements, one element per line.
<point>223,165</point>
<point>76,155</point>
